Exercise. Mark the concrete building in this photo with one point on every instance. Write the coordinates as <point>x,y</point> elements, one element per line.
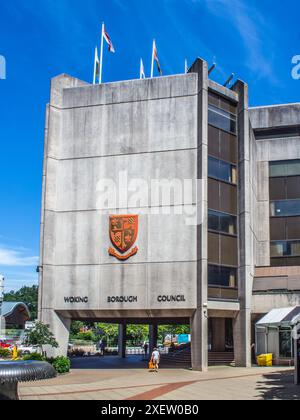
<point>219,274</point>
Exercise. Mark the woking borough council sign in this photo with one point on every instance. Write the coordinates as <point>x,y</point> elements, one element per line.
<point>123,231</point>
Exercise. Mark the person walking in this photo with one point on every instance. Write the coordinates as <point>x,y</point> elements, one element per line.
<point>155,358</point>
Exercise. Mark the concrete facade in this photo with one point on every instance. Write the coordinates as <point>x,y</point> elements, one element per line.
<point>144,130</point>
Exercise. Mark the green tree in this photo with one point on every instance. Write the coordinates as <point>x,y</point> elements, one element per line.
<point>76,326</point>
<point>41,336</point>
<point>27,295</point>
<point>137,334</point>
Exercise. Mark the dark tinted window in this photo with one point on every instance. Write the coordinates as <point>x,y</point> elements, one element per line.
<point>222,170</point>
<point>221,222</point>
<point>285,208</point>
<point>221,119</point>
<point>221,276</point>
<point>285,248</point>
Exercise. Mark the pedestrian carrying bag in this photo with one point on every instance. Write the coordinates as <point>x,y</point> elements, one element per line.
<point>151,365</point>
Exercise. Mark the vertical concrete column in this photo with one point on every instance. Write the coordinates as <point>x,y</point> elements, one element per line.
<point>242,323</point>
<point>122,340</point>
<point>60,327</point>
<point>199,320</point>
<point>218,334</point>
<point>153,329</point>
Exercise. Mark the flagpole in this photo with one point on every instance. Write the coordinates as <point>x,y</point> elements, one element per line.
<point>101,55</point>
<point>186,67</point>
<point>95,66</point>
<point>141,69</point>
<point>152,62</point>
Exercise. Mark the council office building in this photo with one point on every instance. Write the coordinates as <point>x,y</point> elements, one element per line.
<point>134,263</point>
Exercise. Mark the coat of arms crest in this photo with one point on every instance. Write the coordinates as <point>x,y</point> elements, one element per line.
<point>123,231</point>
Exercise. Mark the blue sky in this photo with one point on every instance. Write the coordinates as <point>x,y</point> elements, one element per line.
<point>42,38</point>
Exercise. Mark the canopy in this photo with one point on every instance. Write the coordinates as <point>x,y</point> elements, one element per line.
<point>281,317</point>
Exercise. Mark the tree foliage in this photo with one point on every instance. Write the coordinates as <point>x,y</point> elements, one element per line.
<point>41,336</point>
<point>27,295</point>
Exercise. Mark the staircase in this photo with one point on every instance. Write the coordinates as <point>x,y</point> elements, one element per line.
<point>182,358</point>
<point>220,359</point>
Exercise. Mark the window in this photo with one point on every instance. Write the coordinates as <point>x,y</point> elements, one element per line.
<point>285,168</point>
<point>222,170</point>
<point>285,188</point>
<point>221,102</point>
<point>221,276</point>
<point>222,145</point>
<point>222,196</point>
<point>285,342</point>
<point>285,248</point>
<point>285,208</point>
<point>222,222</point>
<point>221,119</point>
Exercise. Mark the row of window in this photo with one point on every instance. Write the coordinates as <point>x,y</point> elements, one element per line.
<point>222,222</point>
<point>222,196</point>
<point>222,170</point>
<point>284,228</point>
<point>222,119</point>
<point>284,168</point>
<point>285,248</point>
<point>222,249</point>
<point>222,276</point>
<point>284,188</point>
<point>283,208</point>
<point>221,102</point>
<point>222,145</point>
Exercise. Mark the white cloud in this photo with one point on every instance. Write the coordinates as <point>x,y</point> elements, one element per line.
<point>255,32</point>
<point>16,257</point>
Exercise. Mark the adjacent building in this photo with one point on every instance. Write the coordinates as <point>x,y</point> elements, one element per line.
<point>218,256</point>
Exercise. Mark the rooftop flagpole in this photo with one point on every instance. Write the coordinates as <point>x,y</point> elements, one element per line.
<point>101,54</point>
<point>152,61</point>
<point>95,65</point>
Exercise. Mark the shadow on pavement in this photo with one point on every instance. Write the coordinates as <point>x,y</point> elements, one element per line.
<point>278,386</point>
<point>109,362</point>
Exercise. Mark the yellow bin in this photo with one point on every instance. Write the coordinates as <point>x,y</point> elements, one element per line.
<point>265,360</point>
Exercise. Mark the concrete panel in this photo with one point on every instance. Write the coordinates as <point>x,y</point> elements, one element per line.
<point>131,91</point>
<point>265,302</point>
<point>127,281</point>
<point>172,280</point>
<point>83,238</point>
<point>83,183</point>
<point>81,282</point>
<point>275,116</point>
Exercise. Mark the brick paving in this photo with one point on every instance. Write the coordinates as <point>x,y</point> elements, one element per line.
<point>225,383</point>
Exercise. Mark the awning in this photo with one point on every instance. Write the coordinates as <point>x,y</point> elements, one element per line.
<point>281,317</point>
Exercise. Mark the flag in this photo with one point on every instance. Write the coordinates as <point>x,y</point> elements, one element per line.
<point>142,71</point>
<point>108,40</point>
<point>96,66</point>
<point>155,57</point>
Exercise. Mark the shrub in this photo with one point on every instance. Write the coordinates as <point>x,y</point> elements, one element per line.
<point>5,353</point>
<point>62,364</point>
<point>34,356</point>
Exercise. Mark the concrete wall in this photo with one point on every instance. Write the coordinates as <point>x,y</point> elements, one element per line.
<point>147,129</point>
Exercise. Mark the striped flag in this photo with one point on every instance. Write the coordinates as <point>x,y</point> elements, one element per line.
<point>155,57</point>
<point>108,40</point>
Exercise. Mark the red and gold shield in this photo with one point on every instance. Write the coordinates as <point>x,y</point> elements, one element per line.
<point>123,230</point>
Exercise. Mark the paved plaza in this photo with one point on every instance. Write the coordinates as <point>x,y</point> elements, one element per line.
<point>88,382</point>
